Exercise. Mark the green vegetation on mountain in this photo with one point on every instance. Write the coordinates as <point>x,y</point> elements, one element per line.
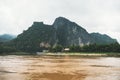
<point>63,33</point>
<point>36,38</point>
<point>102,39</point>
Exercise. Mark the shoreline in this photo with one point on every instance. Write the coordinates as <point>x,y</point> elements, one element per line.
<point>82,54</point>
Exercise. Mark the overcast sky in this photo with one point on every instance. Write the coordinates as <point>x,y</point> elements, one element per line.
<point>94,15</point>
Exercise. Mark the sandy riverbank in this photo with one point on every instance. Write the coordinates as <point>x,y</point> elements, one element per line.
<point>84,54</point>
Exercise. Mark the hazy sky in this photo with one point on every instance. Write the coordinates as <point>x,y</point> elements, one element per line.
<point>94,15</point>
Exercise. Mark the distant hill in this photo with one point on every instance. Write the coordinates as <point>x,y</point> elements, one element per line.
<point>102,38</point>
<point>63,32</point>
<point>6,37</point>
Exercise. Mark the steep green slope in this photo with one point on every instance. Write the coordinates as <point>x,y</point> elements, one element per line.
<point>35,38</point>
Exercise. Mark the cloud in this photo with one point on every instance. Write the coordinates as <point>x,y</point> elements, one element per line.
<point>94,15</point>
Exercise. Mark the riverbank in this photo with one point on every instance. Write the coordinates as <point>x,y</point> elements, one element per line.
<point>82,54</point>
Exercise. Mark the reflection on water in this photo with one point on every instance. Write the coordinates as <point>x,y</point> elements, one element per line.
<point>59,68</point>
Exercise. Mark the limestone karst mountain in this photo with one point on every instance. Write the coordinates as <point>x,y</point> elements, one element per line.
<point>63,32</point>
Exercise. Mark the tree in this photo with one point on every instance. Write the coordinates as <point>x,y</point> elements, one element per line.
<point>57,48</point>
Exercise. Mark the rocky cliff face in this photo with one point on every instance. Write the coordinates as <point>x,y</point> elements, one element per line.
<point>69,33</point>
<point>62,32</point>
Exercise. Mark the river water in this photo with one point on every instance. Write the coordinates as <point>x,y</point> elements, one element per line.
<point>59,68</point>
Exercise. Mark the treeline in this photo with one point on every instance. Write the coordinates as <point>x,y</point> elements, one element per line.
<point>58,48</point>
<point>115,47</point>
<point>4,49</point>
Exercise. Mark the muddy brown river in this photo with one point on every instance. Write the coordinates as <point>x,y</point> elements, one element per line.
<point>59,68</point>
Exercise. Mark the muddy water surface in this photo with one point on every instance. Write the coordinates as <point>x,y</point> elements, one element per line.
<point>59,68</point>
